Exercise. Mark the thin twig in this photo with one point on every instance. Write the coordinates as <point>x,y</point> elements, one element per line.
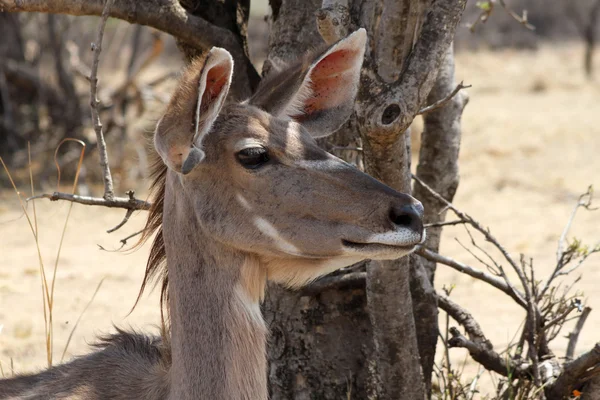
<point>574,336</point>
<point>97,48</point>
<point>463,317</point>
<point>442,102</point>
<point>520,19</point>
<point>79,319</point>
<point>128,214</point>
<point>487,10</point>
<point>585,201</point>
<point>474,272</point>
<point>123,241</point>
<point>447,223</point>
<point>564,257</point>
<point>116,202</point>
<point>485,232</point>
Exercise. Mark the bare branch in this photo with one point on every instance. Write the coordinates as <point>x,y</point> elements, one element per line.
<point>485,232</point>
<point>115,202</point>
<point>123,222</point>
<point>488,8</point>
<point>97,48</point>
<point>442,102</point>
<point>522,19</point>
<point>165,15</point>
<point>463,317</point>
<point>475,273</point>
<point>585,201</point>
<point>446,223</point>
<point>574,336</point>
<point>565,256</point>
<point>487,357</point>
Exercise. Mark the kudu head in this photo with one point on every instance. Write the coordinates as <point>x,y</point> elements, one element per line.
<point>259,183</point>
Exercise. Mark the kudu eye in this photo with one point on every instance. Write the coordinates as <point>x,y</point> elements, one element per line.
<point>253,157</point>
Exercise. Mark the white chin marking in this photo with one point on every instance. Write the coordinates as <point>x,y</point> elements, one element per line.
<point>401,237</point>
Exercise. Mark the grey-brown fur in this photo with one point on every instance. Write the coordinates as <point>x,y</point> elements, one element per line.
<point>224,229</point>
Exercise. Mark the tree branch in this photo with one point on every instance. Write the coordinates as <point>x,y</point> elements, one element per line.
<point>463,317</point>
<point>572,372</point>
<point>475,273</point>
<point>488,358</point>
<point>443,101</point>
<point>165,15</point>
<point>116,202</point>
<point>97,49</point>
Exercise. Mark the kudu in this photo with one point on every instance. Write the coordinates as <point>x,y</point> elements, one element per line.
<point>244,195</point>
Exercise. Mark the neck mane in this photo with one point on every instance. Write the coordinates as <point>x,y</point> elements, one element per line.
<point>212,293</point>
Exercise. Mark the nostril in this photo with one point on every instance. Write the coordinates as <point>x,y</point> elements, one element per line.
<point>406,217</point>
<point>401,219</point>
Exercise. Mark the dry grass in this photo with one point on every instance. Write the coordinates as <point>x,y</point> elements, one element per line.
<point>530,144</point>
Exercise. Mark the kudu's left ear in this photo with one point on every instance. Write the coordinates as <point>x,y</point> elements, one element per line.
<point>318,93</point>
<point>193,109</point>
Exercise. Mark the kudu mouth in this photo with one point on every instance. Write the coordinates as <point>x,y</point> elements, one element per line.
<point>406,235</point>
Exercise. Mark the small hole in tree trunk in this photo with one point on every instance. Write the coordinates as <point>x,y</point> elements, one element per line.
<point>390,114</point>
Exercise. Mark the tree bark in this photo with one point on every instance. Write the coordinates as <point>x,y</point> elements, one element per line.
<point>386,148</point>
<point>320,345</point>
<point>438,167</point>
<point>321,342</point>
<point>393,88</point>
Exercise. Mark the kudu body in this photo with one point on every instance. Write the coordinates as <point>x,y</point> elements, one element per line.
<point>245,196</point>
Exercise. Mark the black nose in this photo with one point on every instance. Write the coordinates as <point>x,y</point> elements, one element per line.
<point>407,216</point>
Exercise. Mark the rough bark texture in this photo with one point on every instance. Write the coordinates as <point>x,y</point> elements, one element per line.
<point>386,106</point>
<point>438,167</point>
<point>591,390</point>
<point>320,343</point>
<point>383,128</point>
<point>319,346</point>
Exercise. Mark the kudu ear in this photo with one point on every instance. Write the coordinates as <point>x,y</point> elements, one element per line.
<point>193,109</point>
<point>319,93</point>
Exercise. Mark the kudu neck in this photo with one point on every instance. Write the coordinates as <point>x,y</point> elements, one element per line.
<point>217,331</point>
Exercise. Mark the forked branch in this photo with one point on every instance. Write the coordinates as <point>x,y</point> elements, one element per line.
<point>97,49</point>
<point>443,101</point>
<point>115,202</point>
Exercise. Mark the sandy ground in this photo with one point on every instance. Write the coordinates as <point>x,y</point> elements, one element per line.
<point>530,147</point>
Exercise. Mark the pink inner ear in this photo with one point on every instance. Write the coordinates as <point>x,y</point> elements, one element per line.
<point>331,80</point>
<point>216,79</point>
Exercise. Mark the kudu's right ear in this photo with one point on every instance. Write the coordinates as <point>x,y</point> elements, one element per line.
<point>318,92</point>
<point>193,109</point>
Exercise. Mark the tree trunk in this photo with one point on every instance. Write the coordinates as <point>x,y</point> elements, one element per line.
<point>393,370</point>
<point>321,342</point>
<point>438,167</point>
<point>320,345</point>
